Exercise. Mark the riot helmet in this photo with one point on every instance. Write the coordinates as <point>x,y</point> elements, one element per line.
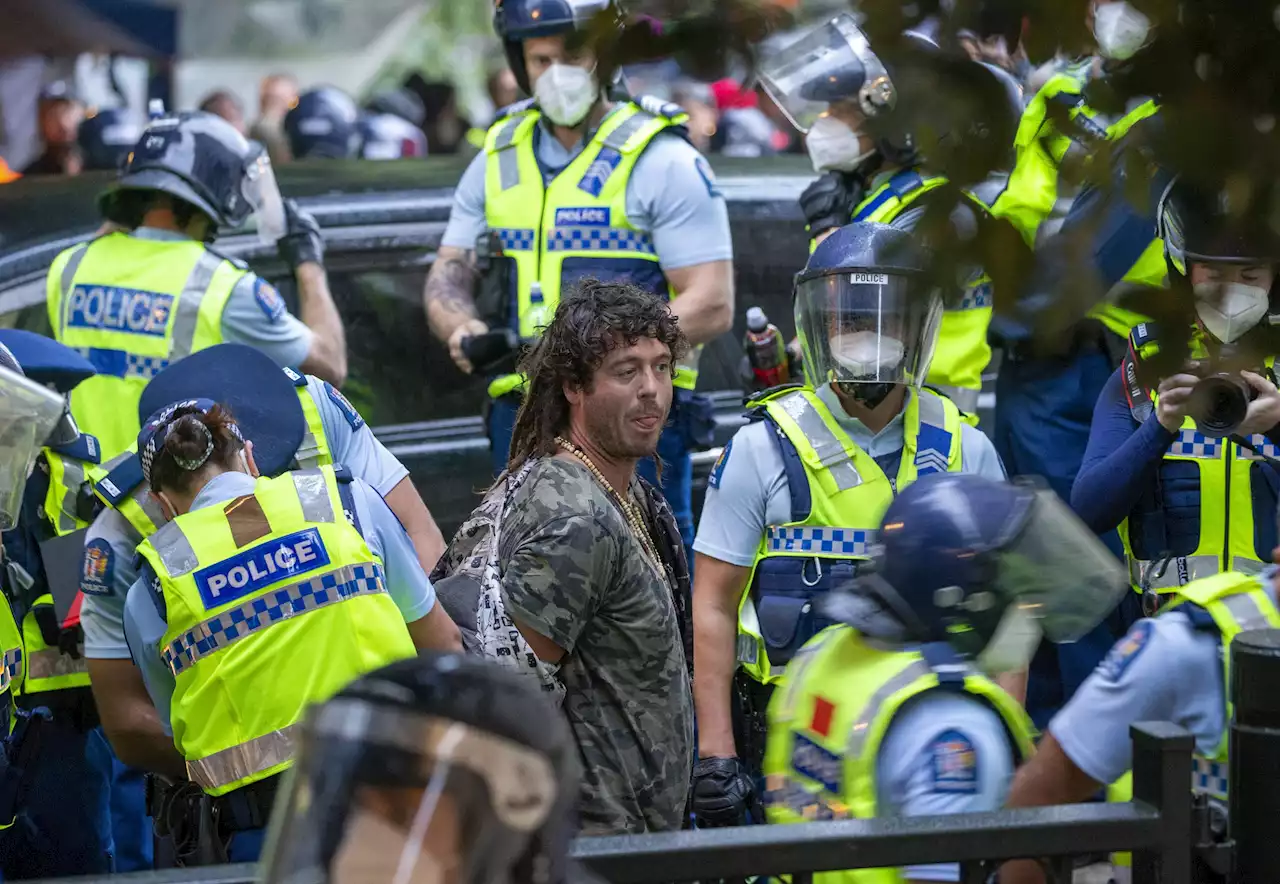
<point>390,137</point>
<point>106,136</point>
<point>324,124</point>
<point>201,160</point>
<point>867,312</point>
<point>1222,251</point>
<point>55,366</point>
<point>29,414</point>
<point>437,769</point>
<point>987,567</point>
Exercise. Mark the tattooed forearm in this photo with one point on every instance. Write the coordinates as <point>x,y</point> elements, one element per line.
<point>448,296</point>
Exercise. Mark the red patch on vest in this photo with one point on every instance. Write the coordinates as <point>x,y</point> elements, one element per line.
<point>823,711</point>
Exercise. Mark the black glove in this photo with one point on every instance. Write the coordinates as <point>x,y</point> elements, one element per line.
<point>829,201</point>
<point>723,793</point>
<point>303,241</point>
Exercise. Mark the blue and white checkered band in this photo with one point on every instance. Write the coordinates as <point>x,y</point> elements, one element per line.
<point>9,669</point>
<point>600,239</point>
<point>515,239</point>
<point>1263,444</point>
<point>266,610</point>
<point>1190,443</point>
<point>819,541</point>
<point>976,297</point>
<point>1209,777</point>
<point>157,430</point>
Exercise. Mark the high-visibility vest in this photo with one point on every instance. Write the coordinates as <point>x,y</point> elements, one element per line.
<point>69,470</point>
<point>47,668</point>
<point>827,722</point>
<point>132,306</point>
<point>576,225</point>
<point>1225,487</point>
<point>119,482</point>
<point>962,352</point>
<point>838,495</point>
<point>1227,604</point>
<point>1033,189</point>
<point>12,673</point>
<point>273,602</point>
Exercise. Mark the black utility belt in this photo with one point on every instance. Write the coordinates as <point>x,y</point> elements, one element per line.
<point>248,807</point>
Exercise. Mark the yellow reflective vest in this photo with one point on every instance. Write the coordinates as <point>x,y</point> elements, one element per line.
<point>12,666</point>
<point>962,352</point>
<point>273,602</point>
<point>838,495</point>
<point>132,306</point>
<point>827,721</point>
<point>1035,185</point>
<point>576,225</point>
<point>1229,604</point>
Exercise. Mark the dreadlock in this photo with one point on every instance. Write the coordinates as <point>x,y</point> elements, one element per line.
<point>592,320</point>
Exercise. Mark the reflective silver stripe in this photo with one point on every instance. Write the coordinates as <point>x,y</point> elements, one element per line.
<point>197,286</point>
<point>1245,611</point>
<point>68,277</point>
<point>142,497</point>
<point>268,609</point>
<point>313,492</point>
<point>52,663</point>
<point>931,410</point>
<point>308,453</point>
<point>12,663</point>
<point>1180,570</point>
<point>830,450</point>
<point>618,138</point>
<point>508,162</point>
<point>861,728</point>
<point>1209,777</point>
<point>239,762</point>
<point>748,649</point>
<point>965,399</point>
<point>1246,565</point>
<point>72,479</point>
<point>175,550</point>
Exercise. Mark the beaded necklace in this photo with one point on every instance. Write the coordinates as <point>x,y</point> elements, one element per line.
<point>632,513</point>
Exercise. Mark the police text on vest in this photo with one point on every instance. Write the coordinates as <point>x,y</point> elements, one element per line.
<point>261,566</point>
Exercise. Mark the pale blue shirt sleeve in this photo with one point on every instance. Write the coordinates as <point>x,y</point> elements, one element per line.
<point>256,315</point>
<point>466,219</point>
<point>144,629</point>
<point>943,753</point>
<point>747,491</point>
<point>102,610</point>
<point>978,454</point>
<point>1162,670</point>
<point>351,442</point>
<point>407,583</point>
<point>672,193</point>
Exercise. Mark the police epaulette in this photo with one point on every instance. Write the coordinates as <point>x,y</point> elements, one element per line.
<point>84,448</point>
<point>235,262</point>
<point>772,393</point>
<point>343,474</point>
<point>299,379</point>
<point>511,110</point>
<point>669,110</point>
<point>116,485</point>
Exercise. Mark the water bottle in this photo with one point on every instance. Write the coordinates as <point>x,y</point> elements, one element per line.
<point>539,315</point>
<point>766,351</point>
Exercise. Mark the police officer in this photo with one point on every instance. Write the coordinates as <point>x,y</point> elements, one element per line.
<point>136,299</point>
<point>891,711</point>
<point>64,821</point>
<point>256,599</point>
<point>455,770</point>
<point>1187,483</point>
<point>324,124</point>
<point>294,419</point>
<point>572,185</point>
<point>795,499</point>
<point>859,113</point>
<point>106,136</point>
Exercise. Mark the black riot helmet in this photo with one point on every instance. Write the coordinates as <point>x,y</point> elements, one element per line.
<point>518,20</point>
<point>866,311</point>
<point>201,160</point>
<point>441,768</point>
<point>106,136</point>
<point>324,124</point>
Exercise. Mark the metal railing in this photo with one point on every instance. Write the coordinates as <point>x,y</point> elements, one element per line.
<point>1155,827</point>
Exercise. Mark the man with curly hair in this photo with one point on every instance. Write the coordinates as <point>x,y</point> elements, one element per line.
<point>582,575</point>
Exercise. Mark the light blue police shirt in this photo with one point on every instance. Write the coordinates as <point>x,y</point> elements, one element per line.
<point>1164,669</point>
<point>943,753</point>
<point>255,313</point>
<point>406,582</point>
<point>352,444</point>
<point>748,487</point>
<point>671,193</point>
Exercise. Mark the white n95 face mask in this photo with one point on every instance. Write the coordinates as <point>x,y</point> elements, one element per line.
<point>566,93</point>
<point>866,354</point>
<point>1228,310</point>
<point>1120,30</point>
<point>833,146</point>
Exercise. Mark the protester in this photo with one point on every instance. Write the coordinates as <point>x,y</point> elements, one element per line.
<point>60,114</point>
<point>277,95</point>
<point>585,558</point>
<point>227,106</point>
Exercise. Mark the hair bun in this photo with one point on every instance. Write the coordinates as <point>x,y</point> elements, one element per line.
<point>189,442</point>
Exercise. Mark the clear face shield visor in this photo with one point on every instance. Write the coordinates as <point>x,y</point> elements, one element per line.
<point>28,415</point>
<point>382,795</point>
<point>833,63</point>
<point>865,327</point>
<point>262,193</point>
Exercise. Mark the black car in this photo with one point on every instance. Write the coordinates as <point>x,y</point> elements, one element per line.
<point>382,223</point>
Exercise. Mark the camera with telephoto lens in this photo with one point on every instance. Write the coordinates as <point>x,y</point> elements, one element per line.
<point>1219,402</point>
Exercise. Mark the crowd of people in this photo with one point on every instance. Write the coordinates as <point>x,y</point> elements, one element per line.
<point>867,617</point>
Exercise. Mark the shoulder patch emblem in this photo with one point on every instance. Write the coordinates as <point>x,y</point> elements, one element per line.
<point>1125,651</point>
<point>97,568</point>
<point>708,176</point>
<point>348,410</point>
<point>717,471</point>
<point>269,300</point>
<point>955,763</point>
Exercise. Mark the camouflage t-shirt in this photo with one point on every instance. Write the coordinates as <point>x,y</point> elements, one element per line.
<point>574,572</point>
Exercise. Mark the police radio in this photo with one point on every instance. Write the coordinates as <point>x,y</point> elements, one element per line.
<point>497,274</point>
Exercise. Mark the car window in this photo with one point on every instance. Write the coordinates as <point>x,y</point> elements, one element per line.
<point>397,372</point>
